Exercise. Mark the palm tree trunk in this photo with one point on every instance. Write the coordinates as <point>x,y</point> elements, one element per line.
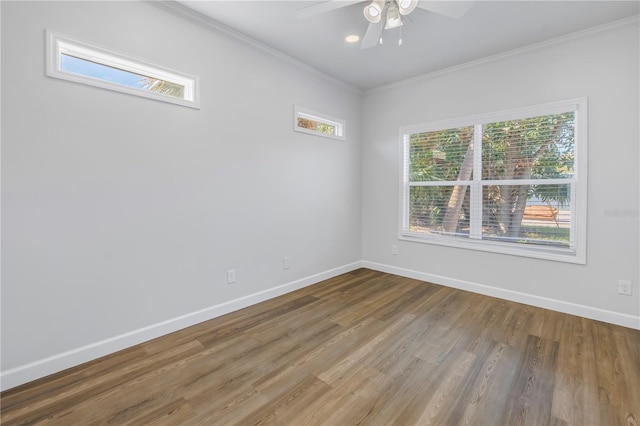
<point>521,203</point>
<point>454,206</point>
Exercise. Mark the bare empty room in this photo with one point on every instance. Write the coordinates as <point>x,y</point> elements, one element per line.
<point>320,212</point>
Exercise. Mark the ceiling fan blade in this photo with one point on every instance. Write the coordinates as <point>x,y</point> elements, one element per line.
<point>452,8</point>
<point>323,7</point>
<point>372,36</point>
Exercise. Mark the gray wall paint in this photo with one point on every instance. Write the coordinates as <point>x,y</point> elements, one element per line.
<point>603,67</point>
<point>121,212</point>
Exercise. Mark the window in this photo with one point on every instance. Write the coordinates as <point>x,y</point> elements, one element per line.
<point>510,182</point>
<point>72,60</point>
<point>314,123</point>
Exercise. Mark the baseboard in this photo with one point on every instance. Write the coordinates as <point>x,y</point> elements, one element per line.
<point>611,317</point>
<point>53,364</point>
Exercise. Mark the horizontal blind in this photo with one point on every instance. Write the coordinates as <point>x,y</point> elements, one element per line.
<point>527,171</point>
<point>439,167</point>
<point>537,147</point>
<point>521,170</point>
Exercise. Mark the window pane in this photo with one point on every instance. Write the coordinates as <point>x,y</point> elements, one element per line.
<point>102,72</point>
<point>439,209</point>
<point>307,121</point>
<point>316,125</point>
<point>538,214</point>
<point>444,155</point>
<point>532,148</point>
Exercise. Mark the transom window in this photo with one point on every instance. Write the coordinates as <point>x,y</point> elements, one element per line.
<point>511,182</point>
<point>77,61</point>
<point>319,124</point>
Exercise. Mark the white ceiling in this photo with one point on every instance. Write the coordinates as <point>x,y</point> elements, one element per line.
<point>431,42</point>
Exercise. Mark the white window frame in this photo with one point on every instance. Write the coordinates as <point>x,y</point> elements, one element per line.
<point>60,44</point>
<point>338,123</point>
<point>576,253</point>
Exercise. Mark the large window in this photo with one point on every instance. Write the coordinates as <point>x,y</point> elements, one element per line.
<point>73,60</point>
<point>510,182</point>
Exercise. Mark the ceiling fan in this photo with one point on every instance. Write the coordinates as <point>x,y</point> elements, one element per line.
<point>387,14</point>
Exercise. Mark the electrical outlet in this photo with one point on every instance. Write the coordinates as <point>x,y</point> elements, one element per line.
<point>624,287</point>
<point>394,249</point>
<point>286,262</point>
<point>231,276</point>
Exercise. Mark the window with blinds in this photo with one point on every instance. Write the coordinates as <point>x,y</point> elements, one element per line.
<point>510,182</point>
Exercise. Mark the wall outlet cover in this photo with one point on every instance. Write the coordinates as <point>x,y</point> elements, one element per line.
<point>624,287</point>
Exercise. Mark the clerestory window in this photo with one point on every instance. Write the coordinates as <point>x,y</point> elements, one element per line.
<point>511,182</point>
<point>319,124</point>
<point>80,62</point>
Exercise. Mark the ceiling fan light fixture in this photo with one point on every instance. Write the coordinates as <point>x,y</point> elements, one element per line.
<point>373,11</point>
<point>405,7</point>
<point>393,18</point>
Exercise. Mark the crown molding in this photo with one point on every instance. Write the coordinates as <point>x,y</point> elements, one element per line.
<point>181,11</point>
<point>499,56</point>
<point>184,12</point>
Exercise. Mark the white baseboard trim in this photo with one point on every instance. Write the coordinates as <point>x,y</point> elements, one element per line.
<point>53,364</point>
<point>611,317</point>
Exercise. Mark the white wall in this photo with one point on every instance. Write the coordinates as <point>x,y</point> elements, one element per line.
<point>602,66</point>
<point>122,213</point>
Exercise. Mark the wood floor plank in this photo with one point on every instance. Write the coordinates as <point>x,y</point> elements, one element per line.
<point>485,386</point>
<point>378,294</point>
<point>406,381</point>
<point>624,388</point>
<point>322,355</point>
<point>434,405</point>
<point>68,380</point>
<point>576,384</point>
<point>284,409</point>
<point>176,412</point>
<point>336,371</point>
<point>93,388</point>
<point>228,407</point>
<point>547,324</point>
<point>532,387</point>
<point>251,320</point>
<point>359,388</point>
<point>403,345</point>
<point>364,347</point>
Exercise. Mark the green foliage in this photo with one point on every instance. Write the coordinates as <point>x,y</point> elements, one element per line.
<point>317,126</point>
<point>535,148</point>
<point>163,87</point>
<point>532,148</point>
<point>326,128</point>
<point>560,236</point>
<point>437,156</point>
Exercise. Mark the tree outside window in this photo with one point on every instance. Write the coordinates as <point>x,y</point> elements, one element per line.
<point>505,181</point>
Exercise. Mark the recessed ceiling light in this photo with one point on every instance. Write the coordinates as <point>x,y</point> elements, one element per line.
<point>353,38</point>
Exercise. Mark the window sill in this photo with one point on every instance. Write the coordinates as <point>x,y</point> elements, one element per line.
<point>557,254</point>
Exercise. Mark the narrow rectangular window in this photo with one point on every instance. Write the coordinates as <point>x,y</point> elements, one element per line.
<point>77,61</point>
<point>507,182</point>
<point>315,123</point>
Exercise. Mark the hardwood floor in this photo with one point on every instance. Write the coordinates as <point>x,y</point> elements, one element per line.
<point>362,348</point>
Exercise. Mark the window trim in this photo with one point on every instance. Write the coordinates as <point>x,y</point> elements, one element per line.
<point>579,220</point>
<point>58,44</point>
<point>338,123</point>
